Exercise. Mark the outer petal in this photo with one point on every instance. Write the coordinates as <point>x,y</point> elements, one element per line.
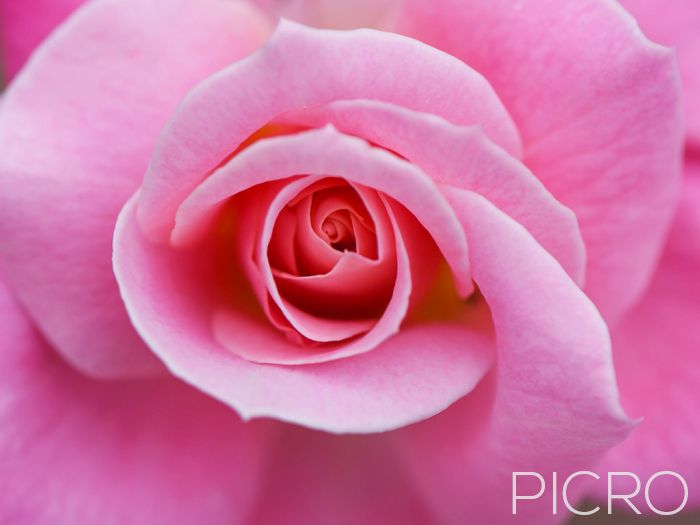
<point>301,67</point>
<point>552,404</point>
<point>24,24</point>
<point>598,109</point>
<point>318,479</point>
<point>76,132</point>
<point>78,452</point>
<point>657,357</point>
<point>676,25</point>
<point>411,376</point>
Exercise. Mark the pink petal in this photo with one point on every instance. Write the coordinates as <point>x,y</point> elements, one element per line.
<point>598,108</point>
<point>677,27</point>
<point>326,329</point>
<point>76,133</point>
<point>308,249</point>
<point>318,479</point>
<point>462,157</point>
<point>301,67</point>
<point>551,404</point>
<point>411,376</point>
<point>335,289</point>
<point>657,357</point>
<point>74,451</point>
<point>24,24</point>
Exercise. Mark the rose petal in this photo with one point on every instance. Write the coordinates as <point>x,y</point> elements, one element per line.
<point>316,328</point>
<point>598,108</point>
<point>463,157</point>
<point>24,24</point>
<point>678,28</point>
<point>355,284</point>
<point>552,402</point>
<point>308,249</point>
<point>657,357</point>
<point>411,376</point>
<point>74,451</point>
<point>319,479</point>
<point>76,131</point>
<point>326,329</point>
<point>298,67</point>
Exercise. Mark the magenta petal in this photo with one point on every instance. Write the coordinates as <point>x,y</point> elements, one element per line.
<point>299,67</point>
<point>74,451</point>
<point>24,24</point>
<point>657,356</point>
<point>413,375</point>
<point>77,129</point>
<point>598,108</point>
<point>552,404</point>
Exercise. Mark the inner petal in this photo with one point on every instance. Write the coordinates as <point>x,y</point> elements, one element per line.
<point>355,288</point>
<point>318,226</point>
<point>338,230</point>
<point>358,284</point>
<point>323,334</point>
<point>308,305</point>
<point>338,210</point>
<point>321,152</point>
<point>308,204</point>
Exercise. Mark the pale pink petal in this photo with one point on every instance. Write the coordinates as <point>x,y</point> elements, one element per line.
<point>598,108</point>
<point>77,129</point>
<point>321,479</point>
<point>551,404</point>
<point>676,25</point>
<point>460,156</point>
<point>657,357</point>
<point>324,152</point>
<point>411,376</point>
<point>336,14</point>
<point>24,24</point>
<point>298,67</point>
<point>74,451</point>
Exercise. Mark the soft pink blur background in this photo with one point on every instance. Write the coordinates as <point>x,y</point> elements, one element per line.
<point>693,519</point>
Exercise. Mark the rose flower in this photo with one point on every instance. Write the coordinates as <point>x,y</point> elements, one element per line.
<point>354,265</point>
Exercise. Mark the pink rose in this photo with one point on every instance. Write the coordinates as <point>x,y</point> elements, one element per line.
<point>656,344</point>
<point>350,232</point>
